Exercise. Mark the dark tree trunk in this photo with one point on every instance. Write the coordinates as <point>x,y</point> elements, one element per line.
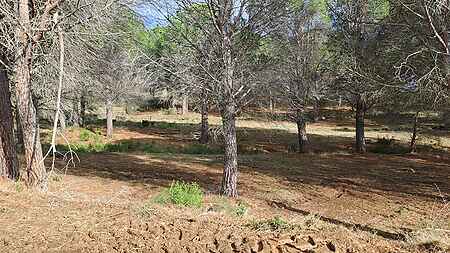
<point>19,132</point>
<point>36,173</point>
<point>230,171</point>
<point>316,110</point>
<point>9,164</point>
<point>109,119</point>
<point>204,129</point>
<point>412,144</point>
<point>360,115</point>
<point>185,106</point>
<point>301,128</point>
<point>83,110</point>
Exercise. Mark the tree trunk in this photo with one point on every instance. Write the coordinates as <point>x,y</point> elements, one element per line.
<point>18,131</point>
<point>9,164</point>
<point>316,110</point>
<point>301,128</point>
<point>228,111</point>
<point>75,117</point>
<point>36,173</point>
<point>185,106</point>
<point>230,171</point>
<point>412,144</point>
<point>109,119</point>
<point>360,114</point>
<point>62,120</point>
<point>83,110</point>
<point>204,136</point>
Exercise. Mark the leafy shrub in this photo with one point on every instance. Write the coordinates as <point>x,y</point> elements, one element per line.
<point>87,135</point>
<point>182,194</point>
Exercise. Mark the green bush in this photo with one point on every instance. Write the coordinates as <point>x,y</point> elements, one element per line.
<point>87,135</point>
<point>181,194</point>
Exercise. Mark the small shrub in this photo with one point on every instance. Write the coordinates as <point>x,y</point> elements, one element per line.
<point>182,194</point>
<point>87,135</point>
<point>274,224</point>
<point>166,125</point>
<point>145,210</point>
<point>224,205</point>
<point>18,186</point>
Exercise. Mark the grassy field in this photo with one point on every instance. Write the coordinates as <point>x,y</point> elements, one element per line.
<point>119,195</point>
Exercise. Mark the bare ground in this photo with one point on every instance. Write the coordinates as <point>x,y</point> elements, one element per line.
<point>333,200</point>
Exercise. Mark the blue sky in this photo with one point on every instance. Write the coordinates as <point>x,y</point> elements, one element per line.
<point>150,15</point>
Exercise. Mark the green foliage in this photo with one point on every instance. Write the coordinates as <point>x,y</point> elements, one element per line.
<point>181,194</point>
<point>136,146</point>
<point>87,135</point>
<point>274,224</point>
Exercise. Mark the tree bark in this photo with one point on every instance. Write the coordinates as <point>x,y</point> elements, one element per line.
<point>75,114</point>
<point>83,103</point>
<point>412,144</point>
<point>230,171</point>
<point>360,115</point>
<point>62,120</point>
<point>18,131</point>
<point>316,110</point>
<point>109,119</point>
<point>204,136</point>
<point>228,111</point>
<point>185,106</point>
<point>36,173</point>
<point>9,164</point>
<point>301,129</point>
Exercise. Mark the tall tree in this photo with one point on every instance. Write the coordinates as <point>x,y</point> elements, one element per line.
<point>9,165</point>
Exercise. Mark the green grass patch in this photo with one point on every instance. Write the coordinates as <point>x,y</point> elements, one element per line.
<point>128,146</point>
<point>181,194</point>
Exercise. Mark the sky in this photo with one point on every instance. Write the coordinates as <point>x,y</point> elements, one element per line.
<point>150,15</point>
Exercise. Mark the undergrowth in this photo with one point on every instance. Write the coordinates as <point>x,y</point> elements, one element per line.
<point>181,194</point>
<point>274,224</point>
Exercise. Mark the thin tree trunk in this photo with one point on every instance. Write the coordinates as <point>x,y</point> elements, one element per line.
<point>301,129</point>
<point>36,173</point>
<point>109,119</point>
<point>204,136</point>
<point>62,120</point>
<point>316,110</point>
<point>185,106</point>
<point>9,164</point>
<point>412,144</point>
<point>230,171</point>
<point>83,103</point>
<point>360,115</point>
<point>75,117</point>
